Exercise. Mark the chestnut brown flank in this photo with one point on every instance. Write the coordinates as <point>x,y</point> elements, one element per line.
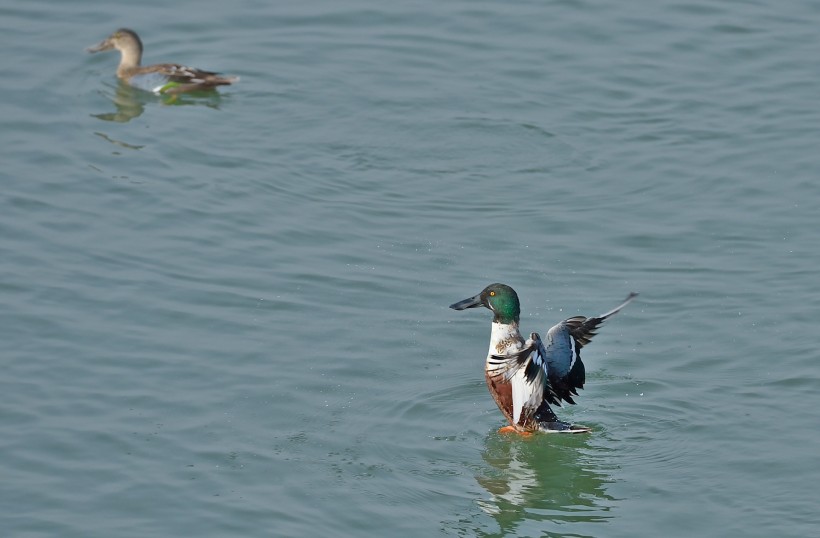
<point>502,393</point>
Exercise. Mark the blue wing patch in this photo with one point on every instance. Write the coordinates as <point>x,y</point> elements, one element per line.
<point>559,358</point>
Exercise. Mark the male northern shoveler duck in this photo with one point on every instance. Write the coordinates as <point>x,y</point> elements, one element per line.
<point>525,377</point>
<point>168,79</point>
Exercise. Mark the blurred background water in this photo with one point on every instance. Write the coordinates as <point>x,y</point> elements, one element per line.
<point>227,316</point>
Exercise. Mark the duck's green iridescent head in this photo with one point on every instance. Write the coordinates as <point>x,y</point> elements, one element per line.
<point>500,298</point>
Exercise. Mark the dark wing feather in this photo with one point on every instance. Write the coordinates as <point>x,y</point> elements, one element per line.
<point>563,351</point>
<point>566,371</point>
<point>182,74</point>
<point>583,329</point>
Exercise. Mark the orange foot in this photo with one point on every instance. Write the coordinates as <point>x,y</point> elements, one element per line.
<point>512,429</point>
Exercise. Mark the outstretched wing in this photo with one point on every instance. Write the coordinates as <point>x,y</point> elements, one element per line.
<point>527,372</point>
<point>562,351</point>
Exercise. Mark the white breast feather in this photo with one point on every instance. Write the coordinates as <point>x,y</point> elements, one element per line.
<point>520,393</point>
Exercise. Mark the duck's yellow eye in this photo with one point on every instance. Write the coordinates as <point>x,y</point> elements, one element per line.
<point>492,294</point>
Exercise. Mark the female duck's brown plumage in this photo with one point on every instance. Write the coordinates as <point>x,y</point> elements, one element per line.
<point>158,78</point>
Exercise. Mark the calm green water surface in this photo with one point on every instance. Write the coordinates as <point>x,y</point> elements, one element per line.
<point>227,316</point>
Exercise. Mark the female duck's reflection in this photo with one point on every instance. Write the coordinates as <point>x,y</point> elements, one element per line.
<point>543,479</point>
<point>130,102</point>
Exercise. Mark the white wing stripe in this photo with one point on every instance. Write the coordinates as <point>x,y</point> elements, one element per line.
<point>520,394</point>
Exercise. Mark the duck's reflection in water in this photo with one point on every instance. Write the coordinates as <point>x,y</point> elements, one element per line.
<point>544,484</point>
<point>130,102</point>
